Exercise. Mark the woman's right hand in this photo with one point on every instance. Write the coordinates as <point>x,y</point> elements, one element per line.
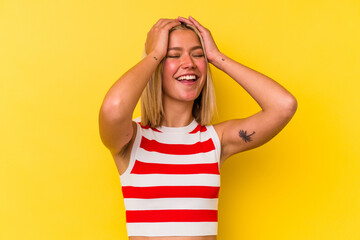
<point>158,37</point>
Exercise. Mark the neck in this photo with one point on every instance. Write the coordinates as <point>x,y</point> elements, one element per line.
<point>177,114</point>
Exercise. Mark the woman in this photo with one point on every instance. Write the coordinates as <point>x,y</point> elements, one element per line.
<point>169,163</point>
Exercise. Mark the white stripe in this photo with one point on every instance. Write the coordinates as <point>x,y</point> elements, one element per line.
<point>170,203</point>
<point>176,138</point>
<point>172,229</point>
<point>155,157</point>
<point>145,180</point>
<point>216,141</point>
<point>135,147</point>
<point>150,180</point>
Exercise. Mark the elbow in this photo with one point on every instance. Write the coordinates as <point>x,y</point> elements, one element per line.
<point>293,104</point>
<point>283,108</point>
<point>113,109</point>
<point>289,106</point>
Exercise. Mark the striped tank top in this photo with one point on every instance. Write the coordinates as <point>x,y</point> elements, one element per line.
<point>171,185</point>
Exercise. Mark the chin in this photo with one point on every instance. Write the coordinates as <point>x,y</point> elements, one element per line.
<point>189,97</point>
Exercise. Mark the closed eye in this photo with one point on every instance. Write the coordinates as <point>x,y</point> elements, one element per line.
<point>173,56</point>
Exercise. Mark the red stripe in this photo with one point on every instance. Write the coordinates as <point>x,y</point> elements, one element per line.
<point>171,216</point>
<point>178,149</point>
<point>199,128</point>
<point>171,192</point>
<point>158,168</point>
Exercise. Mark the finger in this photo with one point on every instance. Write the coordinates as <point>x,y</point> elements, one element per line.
<point>193,20</point>
<point>187,21</point>
<point>166,22</point>
<point>196,23</point>
<point>160,22</point>
<point>172,23</point>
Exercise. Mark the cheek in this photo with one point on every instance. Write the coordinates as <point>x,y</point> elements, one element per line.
<point>169,69</point>
<point>201,64</point>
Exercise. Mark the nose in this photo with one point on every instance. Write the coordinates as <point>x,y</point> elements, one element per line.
<point>187,62</point>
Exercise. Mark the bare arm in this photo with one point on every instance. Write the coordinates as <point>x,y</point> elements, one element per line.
<point>115,117</point>
<point>277,104</point>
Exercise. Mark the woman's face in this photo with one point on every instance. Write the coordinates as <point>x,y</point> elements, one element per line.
<point>184,67</point>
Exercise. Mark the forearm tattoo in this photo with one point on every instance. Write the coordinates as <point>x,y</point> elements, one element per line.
<point>244,136</point>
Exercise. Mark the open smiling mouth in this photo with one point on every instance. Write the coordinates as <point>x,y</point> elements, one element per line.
<point>187,78</point>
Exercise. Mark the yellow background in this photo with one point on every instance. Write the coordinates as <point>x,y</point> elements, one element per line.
<point>59,58</point>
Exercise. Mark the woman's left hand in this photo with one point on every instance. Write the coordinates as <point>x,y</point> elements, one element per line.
<point>210,47</point>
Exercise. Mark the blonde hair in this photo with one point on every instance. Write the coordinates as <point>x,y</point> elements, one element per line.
<point>152,111</point>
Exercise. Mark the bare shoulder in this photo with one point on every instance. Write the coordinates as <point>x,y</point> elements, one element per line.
<point>224,126</point>
<point>219,127</point>
<point>122,158</point>
<point>223,130</point>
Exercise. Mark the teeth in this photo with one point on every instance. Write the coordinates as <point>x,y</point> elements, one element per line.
<point>187,77</point>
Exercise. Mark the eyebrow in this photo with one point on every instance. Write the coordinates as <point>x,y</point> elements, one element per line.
<point>179,48</point>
